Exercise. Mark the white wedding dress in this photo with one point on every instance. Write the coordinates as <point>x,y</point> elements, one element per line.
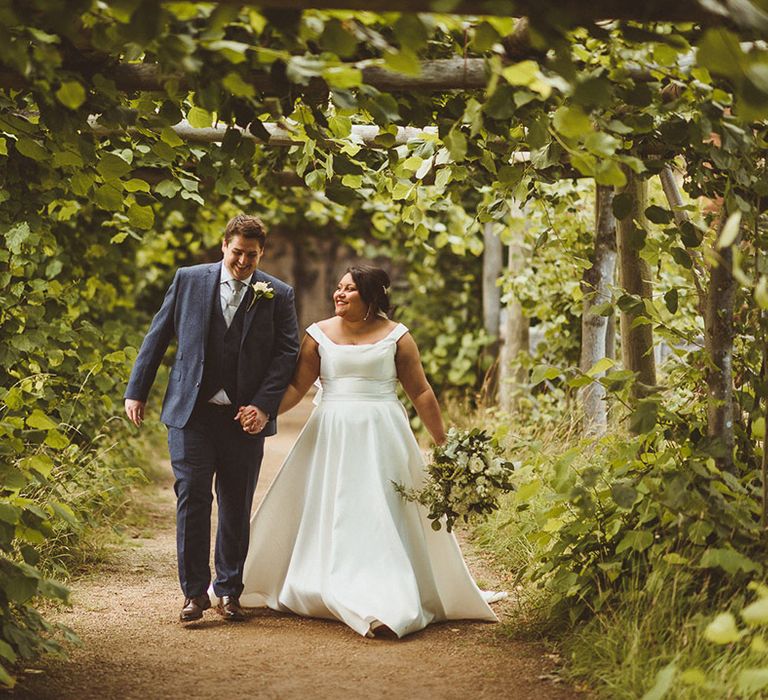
<point>332,537</point>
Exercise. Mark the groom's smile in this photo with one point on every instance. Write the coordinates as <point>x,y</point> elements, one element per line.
<point>242,256</point>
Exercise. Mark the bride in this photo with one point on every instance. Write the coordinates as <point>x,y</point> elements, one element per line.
<point>332,538</point>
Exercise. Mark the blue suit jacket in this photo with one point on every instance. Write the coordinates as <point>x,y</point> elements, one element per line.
<point>269,345</point>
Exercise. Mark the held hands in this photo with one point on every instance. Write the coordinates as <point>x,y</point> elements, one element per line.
<point>135,411</point>
<point>252,419</point>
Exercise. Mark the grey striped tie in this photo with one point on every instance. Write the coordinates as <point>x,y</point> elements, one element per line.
<point>235,295</point>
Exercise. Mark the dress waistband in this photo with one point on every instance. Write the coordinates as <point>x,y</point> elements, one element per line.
<point>358,389</point>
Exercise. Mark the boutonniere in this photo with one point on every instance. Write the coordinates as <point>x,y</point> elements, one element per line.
<point>261,290</point>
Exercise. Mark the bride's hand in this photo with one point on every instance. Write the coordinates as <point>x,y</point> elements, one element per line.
<point>252,419</point>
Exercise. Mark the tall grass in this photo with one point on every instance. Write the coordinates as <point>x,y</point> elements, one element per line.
<point>650,638</point>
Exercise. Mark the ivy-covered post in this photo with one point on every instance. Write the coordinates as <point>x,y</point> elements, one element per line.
<point>636,282</point>
<point>493,264</point>
<point>515,335</point>
<point>718,341</point>
<point>595,285</point>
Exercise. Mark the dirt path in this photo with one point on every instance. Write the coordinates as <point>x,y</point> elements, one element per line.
<point>134,647</point>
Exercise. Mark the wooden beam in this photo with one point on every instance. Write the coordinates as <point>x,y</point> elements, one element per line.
<point>436,76</point>
<point>564,12</point>
<point>363,134</point>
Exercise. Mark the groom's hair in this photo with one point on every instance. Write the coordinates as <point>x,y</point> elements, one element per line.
<point>247,227</point>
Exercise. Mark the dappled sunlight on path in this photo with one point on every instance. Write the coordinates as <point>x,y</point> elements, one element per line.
<point>126,614</point>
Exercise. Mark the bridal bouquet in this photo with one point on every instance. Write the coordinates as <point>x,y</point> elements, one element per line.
<point>465,478</point>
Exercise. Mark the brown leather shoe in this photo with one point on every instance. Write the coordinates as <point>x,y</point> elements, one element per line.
<point>229,608</point>
<point>193,608</point>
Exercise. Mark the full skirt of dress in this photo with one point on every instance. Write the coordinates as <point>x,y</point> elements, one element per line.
<point>334,539</point>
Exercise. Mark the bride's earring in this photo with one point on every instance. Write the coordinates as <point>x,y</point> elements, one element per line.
<point>367,313</point>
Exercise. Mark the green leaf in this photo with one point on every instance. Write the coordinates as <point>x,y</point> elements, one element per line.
<point>456,143</point>
<point>622,205</point>
<point>719,51</point>
<point>643,418</point>
<point>136,185</point>
<point>572,122</point>
<point>658,215</point>
<point>671,299</point>
<point>624,494</point>
<point>65,512</point>
<point>41,463</point>
<point>662,684</point>
<point>722,630</point>
<point>16,236</point>
<point>602,365</point>
<point>56,440</point>
<point>6,678</point>
<point>730,231</point>
<point>315,180</point>
<point>7,652</point>
<point>638,540</point>
<point>237,86</point>
<point>336,39</point>
<point>383,108</point>
<point>39,421</point>
<point>522,73</point>
<point>232,51</point>
<point>485,36</point>
<point>141,217</point>
<point>9,514</point>
<point>167,188</point>
<point>3,147</point>
<point>404,61</point>
<point>20,588</point>
<point>727,559</point>
<point>109,198</point>
<point>543,372</point>
<point>31,149</point>
<point>751,680</point>
<point>343,77</point>
<point>71,94</point>
<point>199,118</point>
<point>761,292</point>
<point>756,613</point>
<point>112,167</point>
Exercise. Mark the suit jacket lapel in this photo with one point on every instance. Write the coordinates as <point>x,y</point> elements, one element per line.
<point>250,313</point>
<point>210,293</point>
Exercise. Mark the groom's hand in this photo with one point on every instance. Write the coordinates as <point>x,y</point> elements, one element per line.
<point>252,419</point>
<point>135,411</point>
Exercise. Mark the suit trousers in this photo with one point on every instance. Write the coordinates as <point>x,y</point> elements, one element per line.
<point>212,444</point>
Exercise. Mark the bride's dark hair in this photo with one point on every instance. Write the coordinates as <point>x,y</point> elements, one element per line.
<point>373,285</point>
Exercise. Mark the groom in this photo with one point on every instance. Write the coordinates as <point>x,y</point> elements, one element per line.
<point>237,341</point>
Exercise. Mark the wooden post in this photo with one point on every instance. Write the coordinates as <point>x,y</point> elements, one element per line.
<point>718,341</point>
<point>515,337</point>
<point>635,278</point>
<point>595,285</point>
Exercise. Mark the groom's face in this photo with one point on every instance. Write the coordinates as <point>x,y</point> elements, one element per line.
<point>242,256</point>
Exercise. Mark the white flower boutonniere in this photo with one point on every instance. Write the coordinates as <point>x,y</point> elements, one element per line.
<point>261,290</point>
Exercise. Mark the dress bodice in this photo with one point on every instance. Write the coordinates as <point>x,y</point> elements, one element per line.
<point>361,372</point>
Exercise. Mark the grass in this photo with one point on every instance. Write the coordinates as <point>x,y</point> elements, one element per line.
<point>650,642</point>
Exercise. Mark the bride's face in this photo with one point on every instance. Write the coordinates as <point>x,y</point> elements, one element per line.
<point>346,299</point>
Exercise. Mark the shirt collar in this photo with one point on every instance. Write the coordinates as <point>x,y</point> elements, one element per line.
<point>226,275</point>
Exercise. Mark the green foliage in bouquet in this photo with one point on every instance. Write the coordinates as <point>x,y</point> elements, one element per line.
<point>466,477</point>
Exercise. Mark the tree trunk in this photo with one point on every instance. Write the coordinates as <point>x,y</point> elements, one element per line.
<point>718,341</point>
<point>635,279</point>
<point>493,264</point>
<point>596,284</point>
<point>515,338</point>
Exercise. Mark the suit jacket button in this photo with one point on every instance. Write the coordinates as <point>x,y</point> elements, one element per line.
<point>197,383</point>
